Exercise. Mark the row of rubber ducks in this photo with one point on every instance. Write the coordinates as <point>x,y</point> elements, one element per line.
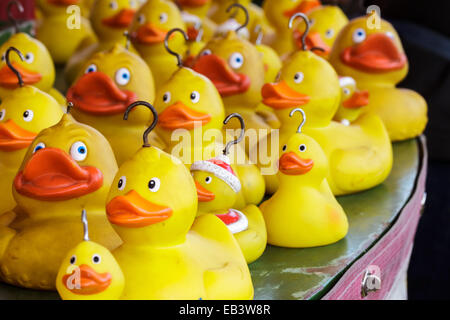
<point>156,237</point>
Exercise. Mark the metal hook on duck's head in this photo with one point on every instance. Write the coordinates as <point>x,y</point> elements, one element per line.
<point>8,63</point>
<point>241,136</point>
<point>259,30</point>
<point>308,25</point>
<point>152,126</point>
<point>127,35</point>
<point>10,16</point>
<point>69,107</point>
<point>166,44</point>
<point>299,129</point>
<point>85,225</point>
<point>305,33</point>
<point>247,18</point>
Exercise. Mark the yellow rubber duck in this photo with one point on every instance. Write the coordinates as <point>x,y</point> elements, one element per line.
<point>236,68</point>
<point>352,101</point>
<point>253,13</point>
<point>52,7</point>
<point>67,168</point>
<point>166,254</point>
<point>217,188</point>
<point>197,8</point>
<point>24,112</point>
<point>108,82</point>
<point>109,19</point>
<point>360,154</point>
<point>326,23</point>
<point>148,31</point>
<point>36,68</point>
<point>303,212</point>
<point>376,60</point>
<point>194,14</point>
<point>89,272</point>
<point>278,13</point>
<point>271,60</point>
<point>63,29</point>
<point>190,102</point>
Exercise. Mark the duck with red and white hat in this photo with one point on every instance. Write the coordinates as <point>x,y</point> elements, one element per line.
<point>217,189</point>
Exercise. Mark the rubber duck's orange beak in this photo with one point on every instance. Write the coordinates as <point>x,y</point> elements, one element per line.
<point>120,20</point>
<point>63,3</point>
<point>313,39</point>
<point>8,78</point>
<point>134,211</point>
<point>291,164</point>
<point>96,93</point>
<point>90,281</point>
<point>281,96</point>
<point>304,6</point>
<point>226,81</point>
<point>52,175</point>
<point>149,34</point>
<point>204,195</point>
<point>179,116</point>
<point>357,100</point>
<point>13,137</point>
<point>191,3</point>
<point>377,53</point>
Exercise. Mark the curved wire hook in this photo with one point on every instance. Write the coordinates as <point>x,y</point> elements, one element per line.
<point>308,25</point>
<point>299,129</point>
<point>10,16</point>
<point>155,118</point>
<point>69,106</point>
<point>8,63</point>
<point>238,5</point>
<point>126,34</point>
<point>85,225</point>
<point>241,136</point>
<point>260,36</point>
<point>166,44</point>
<point>318,49</point>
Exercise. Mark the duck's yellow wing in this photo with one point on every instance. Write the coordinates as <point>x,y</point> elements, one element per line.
<point>253,241</point>
<point>226,274</point>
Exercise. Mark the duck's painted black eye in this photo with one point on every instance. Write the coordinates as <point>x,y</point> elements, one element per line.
<point>96,258</point>
<point>91,68</point>
<point>166,97</point>
<point>73,259</point>
<point>195,96</point>
<point>302,147</point>
<point>236,60</point>
<point>208,179</point>
<point>154,184</point>
<point>163,17</point>
<point>113,5</point>
<point>298,77</point>
<point>39,146</point>
<point>284,148</point>
<point>29,57</point>
<point>122,182</point>
<point>28,115</point>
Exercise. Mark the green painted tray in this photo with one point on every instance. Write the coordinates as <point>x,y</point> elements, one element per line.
<point>309,273</point>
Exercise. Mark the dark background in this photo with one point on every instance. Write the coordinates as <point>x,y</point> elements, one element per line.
<point>424,27</point>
